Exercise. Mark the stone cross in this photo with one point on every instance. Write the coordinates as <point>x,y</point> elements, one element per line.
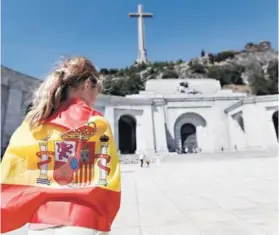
<point>142,58</point>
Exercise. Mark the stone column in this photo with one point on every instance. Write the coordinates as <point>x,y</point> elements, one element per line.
<point>252,127</point>
<point>140,135</point>
<point>205,140</point>
<point>145,133</point>
<point>159,126</point>
<point>149,130</point>
<point>109,114</point>
<point>200,138</point>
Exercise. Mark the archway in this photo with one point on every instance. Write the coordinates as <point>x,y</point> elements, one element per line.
<point>188,137</point>
<point>275,122</point>
<point>127,135</point>
<point>186,127</point>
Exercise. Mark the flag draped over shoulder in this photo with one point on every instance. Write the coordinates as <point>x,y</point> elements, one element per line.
<point>72,158</point>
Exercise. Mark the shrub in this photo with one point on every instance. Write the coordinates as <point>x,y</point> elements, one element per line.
<point>104,71</point>
<point>180,61</point>
<point>123,86</point>
<point>113,71</point>
<point>202,53</point>
<point>197,68</point>
<point>211,58</point>
<point>262,86</point>
<point>169,74</point>
<point>219,57</point>
<point>227,74</point>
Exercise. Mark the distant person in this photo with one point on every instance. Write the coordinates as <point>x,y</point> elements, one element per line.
<point>148,161</point>
<point>141,158</point>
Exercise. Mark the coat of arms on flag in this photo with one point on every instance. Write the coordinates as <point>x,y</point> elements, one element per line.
<point>74,158</point>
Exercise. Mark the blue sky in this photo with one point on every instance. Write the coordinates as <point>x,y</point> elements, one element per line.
<point>36,33</point>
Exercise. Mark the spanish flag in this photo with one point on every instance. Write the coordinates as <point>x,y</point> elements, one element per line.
<point>65,172</point>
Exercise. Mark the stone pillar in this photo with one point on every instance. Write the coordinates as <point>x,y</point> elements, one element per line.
<point>201,139</point>
<point>145,132</point>
<point>159,126</point>
<point>149,130</point>
<point>252,127</point>
<point>140,135</point>
<point>109,115</point>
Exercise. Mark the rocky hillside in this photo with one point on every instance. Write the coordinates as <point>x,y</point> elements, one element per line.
<point>253,70</point>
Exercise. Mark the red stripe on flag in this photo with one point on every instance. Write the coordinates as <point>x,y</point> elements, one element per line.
<point>24,204</point>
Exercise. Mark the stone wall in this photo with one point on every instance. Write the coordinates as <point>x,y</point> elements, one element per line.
<point>15,97</point>
<point>259,130</point>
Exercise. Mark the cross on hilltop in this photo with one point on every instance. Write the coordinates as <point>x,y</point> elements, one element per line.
<point>142,57</point>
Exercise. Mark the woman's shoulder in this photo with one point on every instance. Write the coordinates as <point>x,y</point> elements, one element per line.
<point>96,113</point>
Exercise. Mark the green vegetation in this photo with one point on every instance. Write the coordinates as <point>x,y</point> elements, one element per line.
<point>266,86</point>
<point>227,74</point>
<point>169,74</point>
<point>224,55</point>
<point>123,86</point>
<point>131,80</point>
<point>202,53</point>
<point>197,67</point>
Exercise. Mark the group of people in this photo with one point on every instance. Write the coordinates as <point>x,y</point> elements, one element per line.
<point>188,150</point>
<point>144,158</point>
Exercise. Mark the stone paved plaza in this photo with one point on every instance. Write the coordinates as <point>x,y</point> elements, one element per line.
<point>217,194</point>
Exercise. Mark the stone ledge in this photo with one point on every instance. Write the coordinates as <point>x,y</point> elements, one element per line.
<point>251,100</point>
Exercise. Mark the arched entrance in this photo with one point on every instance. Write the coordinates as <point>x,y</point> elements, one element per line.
<point>275,122</point>
<point>127,134</point>
<point>186,131</point>
<point>188,137</point>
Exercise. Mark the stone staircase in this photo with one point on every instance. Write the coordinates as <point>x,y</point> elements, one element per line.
<point>134,158</point>
<point>129,158</point>
<point>174,157</point>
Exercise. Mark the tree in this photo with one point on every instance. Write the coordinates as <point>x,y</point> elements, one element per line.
<point>197,67</point>
<point>202,53</point>
<point>211,58</point>
<point>268,85</point>
<point>123,86</point>
<point>227,74</point>
<point>260,85</point>
<point>104,71</point>
<point>219,57</point>
<point>272,72</point>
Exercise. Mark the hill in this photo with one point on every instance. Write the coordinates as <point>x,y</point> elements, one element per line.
<point>253,70</point>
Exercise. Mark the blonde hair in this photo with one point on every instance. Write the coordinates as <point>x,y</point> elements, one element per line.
<point>54,90</point>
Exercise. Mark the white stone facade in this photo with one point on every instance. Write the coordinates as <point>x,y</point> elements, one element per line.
<point>15,95</point>
<point>157,120</point>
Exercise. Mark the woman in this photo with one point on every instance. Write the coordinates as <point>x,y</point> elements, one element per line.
<point>61,169</point>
